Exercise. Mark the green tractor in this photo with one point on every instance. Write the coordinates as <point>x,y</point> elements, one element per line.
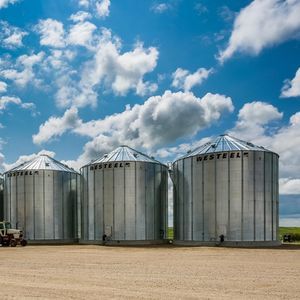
<point>11,237</point>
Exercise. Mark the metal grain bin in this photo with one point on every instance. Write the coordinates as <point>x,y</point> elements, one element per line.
<point>1,198</point>
<point>226,189</point>
<point>40,198</point>
<point>124,198</point>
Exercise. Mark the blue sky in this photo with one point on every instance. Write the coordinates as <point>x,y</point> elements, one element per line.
<point>80,77</point>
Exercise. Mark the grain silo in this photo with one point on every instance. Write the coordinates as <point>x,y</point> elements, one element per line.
<point>1,198</point>
<point>40,198</point>
<point>124,198</point>
<point>227,189</point>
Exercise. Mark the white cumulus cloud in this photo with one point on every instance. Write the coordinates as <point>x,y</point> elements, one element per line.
<point>6,100</point>
<point>52,33</point>
<point>80,16</point>
<point>84,3</point>
<point>261,24</point>
<point>5,3</point>
<point>183,79</point>
<point>253,119</point>
<point>255,124</point>
<point>56,126</point>
<point>118,71</point>
<point>23,71</point>
<point>11,36</point>
<point>81,33</point>
<point>157,122</point>
<point>289,186</point>
<point>291,88</point>
<point>109,68</point>
<point>160,8</point>
<point>102,8</point>
<point>3,87</point>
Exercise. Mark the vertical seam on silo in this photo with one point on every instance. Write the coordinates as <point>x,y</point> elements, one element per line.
<point>175,202</point>
<point>113,194</point>
<point>53,206</point>
<point>44,202</point>
<point>135,210</point>
<point>277,197</point>
<point>24,212</point>
<point>63,202</point>
<point>146,181</point>
<point>94,202</point>
<point>87,204</point>
<point>254,196</point>
<point>16,200</point>
<point>242,198</point>
<point>153,199</point>
<point>33,188</point>
<point>192,198</point>
<point>70,206</point>
<point>264,155</point>
<point>183,201</point>
<point>272,193</point>
<point>215,196</point>
<point>103,221</point>
<point>124,212</point>
<point>229,202</point>
<point>202,182</point>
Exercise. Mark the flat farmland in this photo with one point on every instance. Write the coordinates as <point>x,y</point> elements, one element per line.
<point>166,272</point>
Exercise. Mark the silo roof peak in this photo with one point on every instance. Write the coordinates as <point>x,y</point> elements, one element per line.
<point>124,153</point>
<point>43,162</point>
<point>224,143</point>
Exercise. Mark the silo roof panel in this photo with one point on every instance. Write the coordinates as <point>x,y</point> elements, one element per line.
<point>124,153</point>
<point>43,162</point>
<point>224,143</point>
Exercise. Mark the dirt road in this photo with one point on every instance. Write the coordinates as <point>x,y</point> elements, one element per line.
<point>95,272</point>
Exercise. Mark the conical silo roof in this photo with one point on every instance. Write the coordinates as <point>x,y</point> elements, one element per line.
<point>224,143</point>
<point>43,162</point>
<point>124,153</point>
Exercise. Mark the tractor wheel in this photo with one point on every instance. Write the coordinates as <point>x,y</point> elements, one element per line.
<point>23,243</point>
<point>13,243</point>
<point>5,243</point>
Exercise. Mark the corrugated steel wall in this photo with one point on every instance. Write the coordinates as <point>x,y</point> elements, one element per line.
<point>125,199</point>
<point>1,199</point>
<point>42,203</point>
<point>230,193</point>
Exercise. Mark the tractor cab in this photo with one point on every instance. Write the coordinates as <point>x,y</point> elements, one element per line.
<point>9,236</point>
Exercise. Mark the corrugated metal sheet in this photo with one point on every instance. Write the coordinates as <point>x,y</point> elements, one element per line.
<point>228,187</point>
<point>124,153</point>
<point>224,143</point>
<point>43,162</point>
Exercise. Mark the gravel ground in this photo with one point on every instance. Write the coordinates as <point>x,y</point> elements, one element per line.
<point>95,272</point>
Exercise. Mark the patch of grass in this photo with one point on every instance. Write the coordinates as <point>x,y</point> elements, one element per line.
<point>289,230</point>
<point>170,233</point>
<point>294,232</point>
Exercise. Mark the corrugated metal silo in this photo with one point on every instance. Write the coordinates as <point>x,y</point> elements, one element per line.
<point>227,187</point>
<point>40,197</point>
<point>1,198</point>
<point>124,198</point>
